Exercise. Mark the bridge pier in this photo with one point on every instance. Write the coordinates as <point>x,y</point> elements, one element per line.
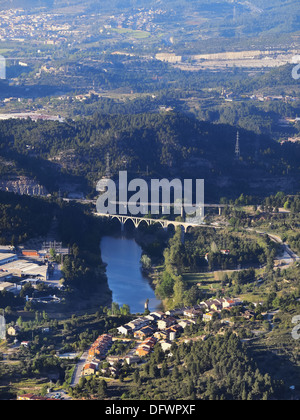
<point>220,211</point>
<point>183,232</point>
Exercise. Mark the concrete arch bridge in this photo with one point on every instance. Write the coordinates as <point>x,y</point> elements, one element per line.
<point>138,220</point>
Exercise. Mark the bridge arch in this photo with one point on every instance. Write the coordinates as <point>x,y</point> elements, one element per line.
<point>130,220</point>
<point>186,228</point>
<point>172,226</point>
<point>143,221</point>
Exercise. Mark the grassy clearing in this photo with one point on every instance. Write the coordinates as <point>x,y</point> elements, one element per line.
<point>131,32</point>
<point>29,386</point>
<point>5,50</point>
<point>205,281</point>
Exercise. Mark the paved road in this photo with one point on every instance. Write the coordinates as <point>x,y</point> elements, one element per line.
<point>288,257</point>
<point>78,369</point>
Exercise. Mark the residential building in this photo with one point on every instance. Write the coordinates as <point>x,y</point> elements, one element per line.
<point>193,313</point>
<point>166,323</point>
<point>143,351</point>
<point>124,330</point>
<point>138,323</point>
<point>146,347</point>
<point>230,303</point>
<point>161,335</point>
<point>144,333</point>
<point>89,369</point>
<point>113,360</point>
<point>130,360</point>
<point>158,314</point>
<point>175,312</point>
<point>166,345</point>
<point>13,331</point>
<point>208,316</point>
<point>100,347</point>
<point>185,323</point>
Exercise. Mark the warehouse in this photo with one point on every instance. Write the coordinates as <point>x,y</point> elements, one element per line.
<point>6,258</point>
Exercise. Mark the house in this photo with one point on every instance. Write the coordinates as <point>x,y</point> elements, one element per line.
<point>161,335</point>
<point>193,313</point>
<point>13,331</point>
<point>146,347</point>
<point>89,369</point>
<point>144,333</point>
<point>208,317</point>
<point>113,360</point>
<point>151,317</point>
<point>100,347</point>
<point>113,371</point>
<point>25,343</point>
<point>175,328</point>
<point>225,251</point>
<point>166,345</point>
<point>150,341</point>
<point>124,330</point>
<point>158,314</point>
<point>162,324</point>
<point>138,324</point>
<point>130,360</point>
<point>248,314</point>
<point>175,312</point>
<point>185,323</point>
<point>143,351</point>
<point>230,303</point>
<point>215,305</point>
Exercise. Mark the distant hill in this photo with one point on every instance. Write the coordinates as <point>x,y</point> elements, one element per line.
<point>229,18</point>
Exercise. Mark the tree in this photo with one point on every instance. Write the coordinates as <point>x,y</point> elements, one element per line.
<point>154,371</point>
<point>164,370</point>
<point>102,389</point>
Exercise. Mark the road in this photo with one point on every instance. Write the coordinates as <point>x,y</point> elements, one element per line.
<point>78,369</point>
<point>288,257</point>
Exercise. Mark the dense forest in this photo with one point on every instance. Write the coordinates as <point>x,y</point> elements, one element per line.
<point>220,368</point>
<point>164,145</point>
<point>22,218</point>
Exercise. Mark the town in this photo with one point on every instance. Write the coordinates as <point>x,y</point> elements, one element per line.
<point>158,327</point>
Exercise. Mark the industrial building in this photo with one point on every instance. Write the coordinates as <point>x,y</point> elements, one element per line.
<point>7,258</point>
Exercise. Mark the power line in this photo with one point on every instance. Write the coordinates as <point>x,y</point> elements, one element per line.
<point>237,147</point>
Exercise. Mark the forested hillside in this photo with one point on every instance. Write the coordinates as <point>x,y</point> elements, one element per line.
<point>162,145</point>
<point>219,369</point>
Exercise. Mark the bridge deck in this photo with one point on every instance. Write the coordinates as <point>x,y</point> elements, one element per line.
<point>163,222</point>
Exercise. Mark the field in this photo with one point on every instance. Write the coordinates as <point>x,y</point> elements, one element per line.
<point>131,32</point>
<point>207,282</point>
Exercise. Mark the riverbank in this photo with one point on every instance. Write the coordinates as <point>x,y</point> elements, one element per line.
<point>129,286</point>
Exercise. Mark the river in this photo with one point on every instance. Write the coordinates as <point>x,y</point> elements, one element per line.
<point>125,278</point>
